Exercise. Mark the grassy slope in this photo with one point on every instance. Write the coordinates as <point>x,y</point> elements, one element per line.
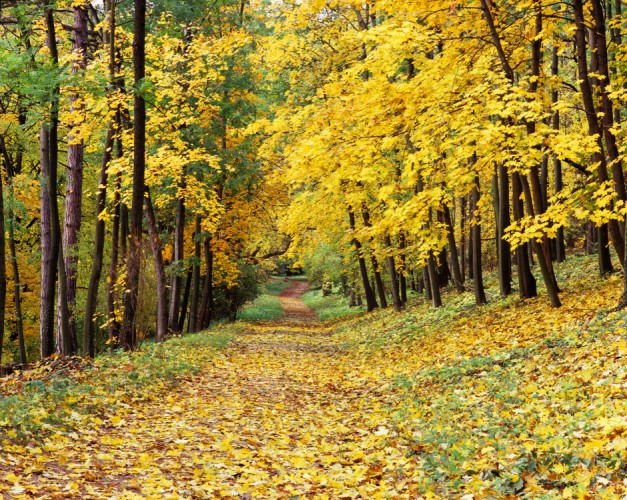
<point>330,307</point>
<point>510,398</point>
<point>267,306</point>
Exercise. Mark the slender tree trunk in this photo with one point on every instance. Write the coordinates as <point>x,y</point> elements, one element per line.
<point>475,232</point>
<point>457,274</point>
<point>74,188</point>
<point>192,325</point>
<point>434,285</point>
<point>160,277</point>
<point>139,164</point>
<point>396,295</point>
<point>371,300</point>
<point>462,246</point>
<point>403,272</point>
<point>51,150</point>
<point>526,281</point>
<point>206,309</point>
<point>89,327</point>
<point>46,334</point>
<point>504,250</point>
<point>560,247</point>
<point>177,278</point>
<point>185,303</point>
<point>3,269</point>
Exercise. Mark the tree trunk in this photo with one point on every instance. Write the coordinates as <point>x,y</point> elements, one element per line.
<point>139,165</point>
<point>89,327</point>
<point>176,281</point>
<point>371,300</point>
<point>560,247</point>
<point>188,283</point>
<point>160,277</point>
<point>526,281</point>
<point>74,187</point>
<point>457,274</point>
<point>394,284</point>
<point>433,283</point>
<point>206,309</point>
<point>3,269</point>
<point>475,235</point>
<point>192,325</point>
<point>504,250</point>
<point>50,149</point>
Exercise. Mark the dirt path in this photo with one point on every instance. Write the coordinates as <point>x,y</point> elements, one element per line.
<point>285,412</point>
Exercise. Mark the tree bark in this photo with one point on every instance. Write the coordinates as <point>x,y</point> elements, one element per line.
<point>394,283</point>
<point>89,327</point>
<point>192,325</point>
<point>160,277</point>
<point>139,165</point>
<point>74,187</point>
<point>371,300</point>
<point>475,235</point>
<point>176,281</point>
<point>457,274</point>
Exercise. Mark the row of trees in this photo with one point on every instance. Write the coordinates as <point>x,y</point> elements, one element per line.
<point>425,135</point>
<point>128,124</point>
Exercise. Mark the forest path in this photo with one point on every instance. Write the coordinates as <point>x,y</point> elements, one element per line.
<point>285,412</point>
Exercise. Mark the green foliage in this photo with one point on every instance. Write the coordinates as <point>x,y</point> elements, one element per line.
<point>331,306</point>
<point>267,307</point>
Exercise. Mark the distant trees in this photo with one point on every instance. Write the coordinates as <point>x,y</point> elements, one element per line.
<point>442,124</point>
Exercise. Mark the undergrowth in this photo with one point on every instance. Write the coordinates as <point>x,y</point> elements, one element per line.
<point>513,398</point>
<point>61,393</point>
<point>331,306</point>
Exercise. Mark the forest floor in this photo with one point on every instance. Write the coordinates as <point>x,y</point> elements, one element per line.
<point>283,411</point>
<point>509,400</point>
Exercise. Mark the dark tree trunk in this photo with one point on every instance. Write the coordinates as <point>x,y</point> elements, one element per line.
<point>457,274</point>
<point>46,333</point>
<point>192,325</point>
<point>526,280</point>
<point>13,167</point>
<point>3,269</point>
<point>74,187</point>
<point>139,164</point>
<point>475,235</point>
<point>504,250</point>
<point>394,283</point>
<point>160,277</point>
<point>371,300</point>
<point>605,259</point>
<point>206,309</point>
<point>403,272</point>
<point>375,264</point>
<point>89,327</point>
<point>177,278</point>
<point>188,283</point>
<point>432,279</point>
<point>560,247</point>
<point>462,245</point>
<point>50,149</point>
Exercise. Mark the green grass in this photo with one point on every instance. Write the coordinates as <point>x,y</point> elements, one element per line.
<point>266,307</point>
<point>329,307</point>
